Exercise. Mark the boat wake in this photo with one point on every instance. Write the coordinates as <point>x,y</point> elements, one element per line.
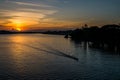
<point>48,50</point>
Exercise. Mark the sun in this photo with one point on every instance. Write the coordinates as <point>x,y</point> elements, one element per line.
<point>17,24</point>
<point>18,29</point>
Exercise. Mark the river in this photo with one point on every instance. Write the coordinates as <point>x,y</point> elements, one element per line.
<point>42,56</point>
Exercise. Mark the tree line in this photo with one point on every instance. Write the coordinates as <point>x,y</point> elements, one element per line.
<point>107,36</point>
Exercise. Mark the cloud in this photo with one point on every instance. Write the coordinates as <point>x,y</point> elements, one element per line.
<point>33,14</point>
<point>6,17</point>
<point>43,11</point>
<point>31,4</point>
<point>28,15</point>
<point>1,26</point>
<point>25,14</point>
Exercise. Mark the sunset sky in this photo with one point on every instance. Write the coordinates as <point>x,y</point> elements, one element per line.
<point>57,14</point>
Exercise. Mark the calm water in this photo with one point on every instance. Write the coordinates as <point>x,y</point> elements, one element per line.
<point>38,56</point>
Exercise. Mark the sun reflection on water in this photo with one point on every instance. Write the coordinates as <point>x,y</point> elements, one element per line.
<point>18,54</point>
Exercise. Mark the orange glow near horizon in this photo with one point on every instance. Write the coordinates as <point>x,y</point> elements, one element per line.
<point>17,24</point>
<point>18,29</point>
<point>24,24</point>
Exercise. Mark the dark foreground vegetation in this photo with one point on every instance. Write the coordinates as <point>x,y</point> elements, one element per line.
<point>106,37</point>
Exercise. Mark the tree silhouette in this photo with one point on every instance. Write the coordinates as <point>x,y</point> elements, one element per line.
<point>107,36</point>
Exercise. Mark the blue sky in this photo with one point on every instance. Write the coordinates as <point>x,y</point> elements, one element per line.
<point>37,14</point>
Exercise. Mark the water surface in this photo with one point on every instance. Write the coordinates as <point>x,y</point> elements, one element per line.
<point>39,56</point>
